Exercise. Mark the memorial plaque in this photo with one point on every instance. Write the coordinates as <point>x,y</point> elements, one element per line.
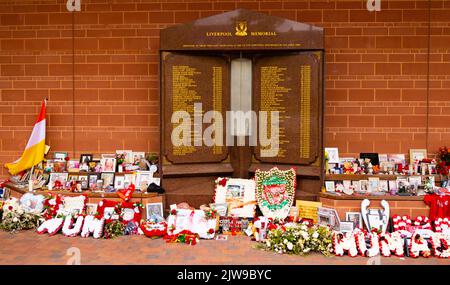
<point>189,80</point>
<point>265,63</point>
<point>290,85</point>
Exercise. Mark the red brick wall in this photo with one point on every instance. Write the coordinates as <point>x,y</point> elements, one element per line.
<point>376,73</point>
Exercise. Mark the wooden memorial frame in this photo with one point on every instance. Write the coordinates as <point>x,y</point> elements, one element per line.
<point>195,66</point>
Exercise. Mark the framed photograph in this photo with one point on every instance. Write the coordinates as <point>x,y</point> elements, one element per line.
<point>91,209</point>
<point>384,187</point>
<point>93,180</point>
<point>401,182</point>
<point>355,218</point>
<point>239,194</point>
<point>346,226</point>
<point>60,156</point>
<point>143,179</point>
<point>4,193</point>
<point>329,186</point>
<point>59,176</point>
<point>374,184</point>
<point>73,166</point>
<point>356,185</point>
<point>333,154</point>
<point>129,178</point>
<point>374,159</point>
<point>94,166</point>
<point>328,216</point>
<point>137,156</point>
<point>72,178</point>
<point>85,158</point>
<point>119,181</point>
<point>221,208</point>
<point>154,211</point>
<point>99,185</point>
<point>392,185</point>
<point>417,154</point>
<point>383,157</point>
<point>415,181</point>
<point>397,158</point>
<point>108,179</point>
<point>84,181</point>
<point>364,185</point>
<point>108,164</point>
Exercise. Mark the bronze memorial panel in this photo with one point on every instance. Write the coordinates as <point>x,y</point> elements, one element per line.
<point>290,85</point>
<point>189,80</point>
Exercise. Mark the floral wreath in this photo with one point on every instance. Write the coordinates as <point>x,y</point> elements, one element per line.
<point>401,223</point>
<point>154,230</point>
<point>441,224</point>
<point>137,209</point>
<point>422,222</point>
<point>274,176</point>
<point>418,246</point>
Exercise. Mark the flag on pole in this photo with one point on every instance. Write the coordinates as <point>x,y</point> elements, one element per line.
<point>35,149</point>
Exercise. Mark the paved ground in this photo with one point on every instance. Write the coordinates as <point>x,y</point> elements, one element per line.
<point>29,247</point>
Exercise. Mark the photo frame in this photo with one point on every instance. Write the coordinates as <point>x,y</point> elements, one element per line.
<point>84,181</point>
<point>129,178</point>
<point>60,176</point>
<point>356,185</point>
<point>238,194</point>
<point>417,154</point>
<point>93,177</point>
<point>137,156</point>
<point>330,186</point>
<point>108,164</point>
<point>143,179</point>
<point>73,166</point>
<point>60,155</point>
<point>383,186</point>
<point>398,158</point>
<point>328,215</point>
<point>86,158</point>
<point>374,184</point>
<point>119,181</point>
<point>108,179</point>
<point>374,158</point>
<point>154,211</point>
<point>333,154</point>
<point>355,218</point>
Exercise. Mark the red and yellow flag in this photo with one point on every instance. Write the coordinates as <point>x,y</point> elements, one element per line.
<point>35,149</point>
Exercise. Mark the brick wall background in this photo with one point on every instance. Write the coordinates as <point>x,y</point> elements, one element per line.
<point>379,68</point>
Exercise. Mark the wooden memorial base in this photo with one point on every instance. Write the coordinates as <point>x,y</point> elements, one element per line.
<point>92,197</point>
<point>399,205</point>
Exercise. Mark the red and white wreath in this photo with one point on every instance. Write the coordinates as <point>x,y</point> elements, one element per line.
<point>401,223</point>
<point>422,222</point>
<point>441,225</point>
<point>440,243</point>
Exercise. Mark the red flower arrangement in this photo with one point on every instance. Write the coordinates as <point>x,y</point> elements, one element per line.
<point>154,230</point>
<point>443,166</point>
<point>52,203</point>
<point>185,236</point>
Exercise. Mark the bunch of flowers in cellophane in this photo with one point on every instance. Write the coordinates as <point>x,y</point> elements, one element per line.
<point>185,236</point>
<point>299,238</point>
<point>15,218</point>
<point>113,228</point>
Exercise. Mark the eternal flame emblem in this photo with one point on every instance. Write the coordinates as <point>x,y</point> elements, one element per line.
<point>241,28</point>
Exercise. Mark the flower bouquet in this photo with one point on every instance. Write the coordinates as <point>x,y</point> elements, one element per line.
<point>15,218</point>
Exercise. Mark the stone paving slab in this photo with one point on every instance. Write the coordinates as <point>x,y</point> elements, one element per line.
<point>28,247</point>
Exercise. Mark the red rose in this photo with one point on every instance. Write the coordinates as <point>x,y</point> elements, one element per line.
<point>211,231</point>
<point>10,208</point>
<point>223,182</point>
<point>173,212</point>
